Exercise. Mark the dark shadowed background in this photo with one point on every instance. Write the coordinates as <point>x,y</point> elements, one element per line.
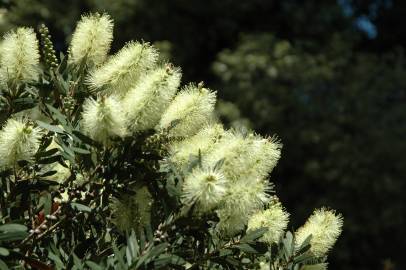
<point>328,77</point>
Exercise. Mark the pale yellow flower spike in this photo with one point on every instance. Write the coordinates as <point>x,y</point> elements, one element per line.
<point>146,102</point>
<point>19,56</point>
<point>325,226</point>
<point>246,158</point>
<point>91,39</point>
<point>275,218</point>
<point>123,70</point>
<point>103,119</point>
<point>191,110</point>
<point>241,200</point>
<point>205,187</point>
<point>18,141</point>
<point>204,141</point>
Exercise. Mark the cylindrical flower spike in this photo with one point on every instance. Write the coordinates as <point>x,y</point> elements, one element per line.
<point>18,141</point>
<point>103,119</point>
<point>204,187</point>
<point>91,39</point>
<point>122,70</point>
<point>146,102</point>
<point>19,56</point>
<point>325,226</point>
<point>245,157</point>
<point>190,110</point>
<point>275,218</point>
<point>204,141</point>
<point>247,196</point>
<point>241,200</point>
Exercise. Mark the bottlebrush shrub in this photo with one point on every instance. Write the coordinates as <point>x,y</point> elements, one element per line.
<point>107,162</point>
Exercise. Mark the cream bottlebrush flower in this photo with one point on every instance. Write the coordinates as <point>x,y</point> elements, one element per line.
<point>103,119</point>
<point>239,203</point>
<point>325,226</point>
<point>205,187</point>
<point>204,141</point>
<point>19,56</point>
<point>265,153</point>
<point>245,157</point>
<point>121,71</point>
<point>245,197</point>
<point>91,39</point>
<point>18,141</point>
<point>145,103</point>
<point>233,148</point>
<point>190,110</point>
<point>275,218</point>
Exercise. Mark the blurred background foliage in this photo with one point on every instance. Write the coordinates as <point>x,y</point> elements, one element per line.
<point>328,77</point>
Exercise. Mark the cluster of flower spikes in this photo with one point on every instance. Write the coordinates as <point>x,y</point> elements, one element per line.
<point>19,57</point>
<point>134,94</point>
<point>19,63</point>
<point>137,94</point>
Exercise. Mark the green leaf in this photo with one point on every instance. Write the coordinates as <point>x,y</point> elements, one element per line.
<point>57,114</point>
<point>85,139</point>
<point>305,246</point>
<point>81,207</point>
<point>94,266</point>
<point>253,235</point>
<point>48,173</point>
<point>80,150</point>
<point>151,254</point>
<point>48,152</point>
<point>50,160</point>
<point>288,244</point>
<point>64,62</point>
<point>225,252</point>
<point>67,150</point>
<point>56,260</point>
<point>232,261</point>
<point>3,265</point>
<point>246,248</point>
<point>13,236</point>
<point>4,252</point>
<point>132,248</point>
<point>168,259</point>
<point>302,258</point>
<point>49,127</point>
<point>13,227</point>
<point>157,250</point>
<point>78,264</point>
<point>119,257</point>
